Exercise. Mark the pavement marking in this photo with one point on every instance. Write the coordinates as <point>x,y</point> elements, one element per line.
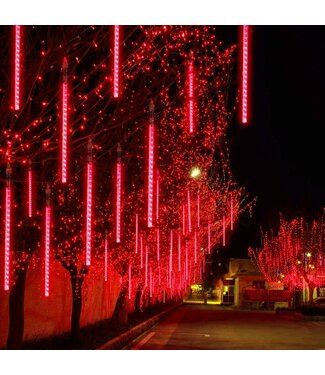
<point>143,341</point>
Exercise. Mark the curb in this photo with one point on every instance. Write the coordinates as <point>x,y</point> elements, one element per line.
<point>126,337</point>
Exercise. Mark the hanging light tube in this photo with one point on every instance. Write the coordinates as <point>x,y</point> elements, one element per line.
<point>30,189</point>
<point>64,121</point>
<point>245,46</point>
<point>118,193</point>
<point>47,242</point>
<point>7,228</point>
<point>151,164</point>
<point>116,60</point>
<point>89,203</point>
<point>17,67</point>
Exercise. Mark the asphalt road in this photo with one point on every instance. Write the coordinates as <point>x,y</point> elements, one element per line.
<point>214,327</point>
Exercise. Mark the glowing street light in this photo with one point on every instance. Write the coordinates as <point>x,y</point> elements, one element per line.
<point>195,172</point>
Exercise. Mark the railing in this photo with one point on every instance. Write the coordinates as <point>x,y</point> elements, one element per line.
<point>269,295</point>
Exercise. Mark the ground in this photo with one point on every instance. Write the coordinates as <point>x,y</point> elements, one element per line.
<point>215,327</point>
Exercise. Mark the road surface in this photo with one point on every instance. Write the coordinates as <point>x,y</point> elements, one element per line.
<point>214,327</point>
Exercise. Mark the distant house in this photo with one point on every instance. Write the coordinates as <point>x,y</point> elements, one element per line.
<point>245,285</point>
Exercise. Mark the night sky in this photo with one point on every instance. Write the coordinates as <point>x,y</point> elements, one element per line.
<point>279,157</point>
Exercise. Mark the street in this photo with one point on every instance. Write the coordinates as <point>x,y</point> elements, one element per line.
<point>214,327</point>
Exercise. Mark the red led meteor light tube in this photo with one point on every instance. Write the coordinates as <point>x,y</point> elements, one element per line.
<point>64,134</point>
<point>195,246</point>
<point>189,210</point>
<point>179,252</point>
<point>130,280</point>
<point>231,214</point>
<point>151,164</point>
<point>116,61</point>
<point>30,189</point>
<point>171,253</point>
<point>141,250</point>
<point>7,228</point>
<point>47,242</point>
<point>118,193</point>
<point>209,238</point>
<point>136,233</point>
<point>89,203</point>
<point>106,257</point>
<point>158,245</point>
<point>146,268</point>
<point>198,209</point>
<point>191,97</point>
<point>224,230</point>
<point>245,72</point>
<point>17,67</point>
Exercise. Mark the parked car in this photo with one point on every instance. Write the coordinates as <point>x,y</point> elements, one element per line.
<point>319,301</point>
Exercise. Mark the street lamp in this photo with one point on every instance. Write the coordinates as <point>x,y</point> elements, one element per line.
<point>195,172</point>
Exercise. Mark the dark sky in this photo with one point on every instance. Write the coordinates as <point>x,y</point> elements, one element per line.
<point>280,156</point>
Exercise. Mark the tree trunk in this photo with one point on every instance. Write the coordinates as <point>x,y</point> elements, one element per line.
<point>16,310</point>
<point>311,288</point>
<point>120,314</point>
<point>137,302</point>
<point>76,283</point>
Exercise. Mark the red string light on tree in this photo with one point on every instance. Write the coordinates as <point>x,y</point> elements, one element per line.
<point>89,202</point>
